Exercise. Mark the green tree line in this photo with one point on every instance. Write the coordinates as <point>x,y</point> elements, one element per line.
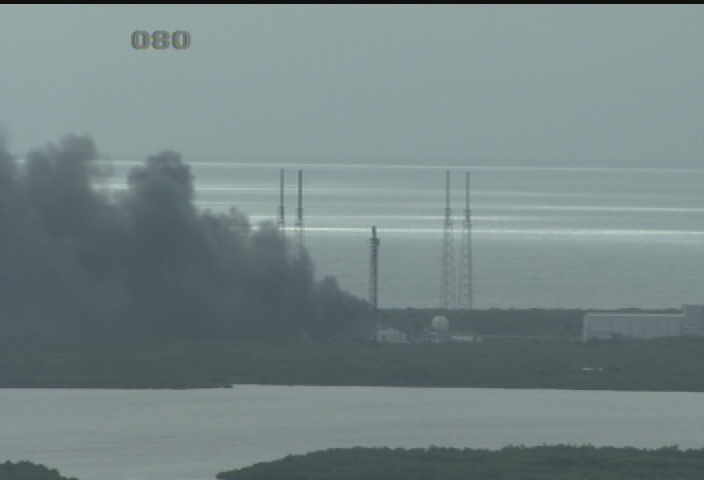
<point>560,462</point>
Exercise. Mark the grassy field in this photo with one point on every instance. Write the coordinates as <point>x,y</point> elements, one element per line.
<point>675,364</point>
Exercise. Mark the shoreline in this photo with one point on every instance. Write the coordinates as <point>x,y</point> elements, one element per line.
<point>345,386</point>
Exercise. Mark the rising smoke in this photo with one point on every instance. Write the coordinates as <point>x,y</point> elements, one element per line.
<point>78,265</point>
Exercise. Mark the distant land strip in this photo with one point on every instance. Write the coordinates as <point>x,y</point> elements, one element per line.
<point>557,462</point>
<point>668,364</point>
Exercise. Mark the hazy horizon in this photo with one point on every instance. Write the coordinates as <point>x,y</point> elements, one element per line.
<point>529,85</point>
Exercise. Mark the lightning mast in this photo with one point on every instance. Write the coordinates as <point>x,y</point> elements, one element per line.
<point>299,215</point>
<point>465,296</point>
<point>448,251</point>
<point>282,215</point>
<point>374,270</point>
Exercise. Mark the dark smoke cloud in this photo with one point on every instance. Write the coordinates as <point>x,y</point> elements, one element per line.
<point>148,264</point>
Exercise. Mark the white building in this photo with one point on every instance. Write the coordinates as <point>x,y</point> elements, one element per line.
<point>644,325</point>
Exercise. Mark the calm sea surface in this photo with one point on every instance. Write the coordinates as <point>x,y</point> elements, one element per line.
<point>193,434</point>
<point>542,237</point>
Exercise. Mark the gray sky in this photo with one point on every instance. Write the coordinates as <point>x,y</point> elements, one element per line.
<point>512,84</point>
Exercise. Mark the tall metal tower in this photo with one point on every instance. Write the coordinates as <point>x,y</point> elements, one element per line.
<point>299,215</point>
<point>465,295</point>
<point>282,214</point>
<point>448,251</point>
<point>374,270</point>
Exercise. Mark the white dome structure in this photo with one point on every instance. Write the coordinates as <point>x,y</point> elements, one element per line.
<point>440,323</point>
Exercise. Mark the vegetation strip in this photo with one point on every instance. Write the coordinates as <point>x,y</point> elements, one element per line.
<point>25,470</point>
<point>511,463</point>
<point>672,364</point>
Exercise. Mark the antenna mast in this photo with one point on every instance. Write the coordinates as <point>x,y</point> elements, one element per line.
<point>448,250</point>
<point>374,270</point>
<point>467,280</point>
<point>282,215</point>
<point>299,215</point>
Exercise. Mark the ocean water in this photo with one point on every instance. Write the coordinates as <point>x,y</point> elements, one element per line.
<point>193,434</point>
<point>541,237</point>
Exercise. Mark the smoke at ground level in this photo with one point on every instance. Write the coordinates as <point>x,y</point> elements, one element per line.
<point>79,265</point>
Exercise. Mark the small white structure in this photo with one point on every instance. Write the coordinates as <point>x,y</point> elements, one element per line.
<point>644,325</point>
<point>390,335</point>
<point>437,332</point>
<point>466,338</point>
<point>440,323</point>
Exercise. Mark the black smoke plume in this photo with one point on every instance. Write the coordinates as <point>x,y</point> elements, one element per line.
<point>78,265</point>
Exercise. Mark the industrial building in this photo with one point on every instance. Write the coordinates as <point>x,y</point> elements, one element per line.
<point>609,325</point>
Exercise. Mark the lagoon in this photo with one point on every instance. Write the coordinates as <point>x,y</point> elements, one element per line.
<point>193,434</point>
